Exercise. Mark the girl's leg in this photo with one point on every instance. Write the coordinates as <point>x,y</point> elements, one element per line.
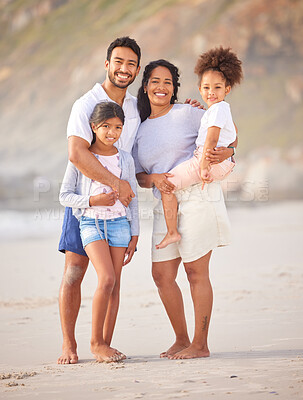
<point>164,275</point>
<point>170,207</point>
<point>100,256</point>
<point>184,175</point>
<point>117,255</point>
<point>202,295</point>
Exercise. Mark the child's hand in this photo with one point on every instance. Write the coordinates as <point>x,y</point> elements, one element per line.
<point>205,176</point>
<point>130,250</point>
<point>103,199</point>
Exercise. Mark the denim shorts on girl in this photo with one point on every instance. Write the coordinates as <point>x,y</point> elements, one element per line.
<point>115,231</point>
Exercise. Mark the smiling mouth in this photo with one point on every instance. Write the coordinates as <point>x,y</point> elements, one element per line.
<point>160,94</point>
<point>123,77</point>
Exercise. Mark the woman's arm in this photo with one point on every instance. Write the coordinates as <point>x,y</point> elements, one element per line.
<point>160,181</point>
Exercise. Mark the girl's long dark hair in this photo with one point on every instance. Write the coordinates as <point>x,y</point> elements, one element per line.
<point>143,100</point>
<point>103,111</point>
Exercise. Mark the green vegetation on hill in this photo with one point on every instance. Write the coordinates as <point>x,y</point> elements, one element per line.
<point>52,51</point>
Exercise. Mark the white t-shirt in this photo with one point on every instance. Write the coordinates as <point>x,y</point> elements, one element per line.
<point>219,115</point>
<point>82,109</point>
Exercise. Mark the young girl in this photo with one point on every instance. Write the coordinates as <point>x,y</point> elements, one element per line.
<point>109,231</point>
<point>219,70</point>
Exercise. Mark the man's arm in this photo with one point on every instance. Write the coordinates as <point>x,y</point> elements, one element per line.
<point>87,163</point>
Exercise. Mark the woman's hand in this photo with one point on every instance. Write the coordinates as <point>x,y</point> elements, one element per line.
<point>218,154</point>
<point>103,199</point>
<point>162,183</point>
<point>130,250</point>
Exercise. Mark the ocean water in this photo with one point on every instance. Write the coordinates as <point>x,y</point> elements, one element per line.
<point>30,224</point>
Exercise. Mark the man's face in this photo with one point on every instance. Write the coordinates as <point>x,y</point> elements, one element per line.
<point>122,68</point>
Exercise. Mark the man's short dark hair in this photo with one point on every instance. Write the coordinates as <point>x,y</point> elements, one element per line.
<point>124,41</point>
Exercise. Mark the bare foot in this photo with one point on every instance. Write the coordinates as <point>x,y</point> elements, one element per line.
<point>69,355</point>
<point>168,239</point>
<point>104,353</point>
<point>191,351</point>
<point>175,348</point>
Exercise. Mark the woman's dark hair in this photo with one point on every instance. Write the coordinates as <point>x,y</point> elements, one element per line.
<point>222,60</point>
<point>103,111</point>
<point>124,41</point>
<point>143,100</point>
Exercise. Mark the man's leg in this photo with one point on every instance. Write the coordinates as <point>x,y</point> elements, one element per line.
<point>69,304</point>
<point>202,295</point>
<point>164,274</point>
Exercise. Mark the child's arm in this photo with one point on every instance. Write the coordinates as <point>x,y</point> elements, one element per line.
<point>87,163</point>
<point>211,141</point>
<point>69,198</point>
<point>219,154</point>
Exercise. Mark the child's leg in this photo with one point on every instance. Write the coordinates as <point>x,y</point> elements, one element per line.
<point>100,256</point>
<point>170,207</point>
<point>220,171</point>
<point>184,175</point>
<point>117,255</point>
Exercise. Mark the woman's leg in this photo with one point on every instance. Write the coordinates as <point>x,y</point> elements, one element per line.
<point>117,255</point>
<point>170,207</point>
<point>100,256</point>
<point>164,274</point>
<point>202,295</point>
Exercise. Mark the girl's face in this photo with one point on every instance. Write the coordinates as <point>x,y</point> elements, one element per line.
<point>213,87</point>
<point>160,87</point>
<point>108,132</point>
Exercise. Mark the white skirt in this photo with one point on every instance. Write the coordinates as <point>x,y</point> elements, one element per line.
<point>202,223</point>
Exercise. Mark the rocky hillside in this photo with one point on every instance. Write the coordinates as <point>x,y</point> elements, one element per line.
<point>52,51</point>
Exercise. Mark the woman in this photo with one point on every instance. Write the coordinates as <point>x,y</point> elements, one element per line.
<point>166,137</point>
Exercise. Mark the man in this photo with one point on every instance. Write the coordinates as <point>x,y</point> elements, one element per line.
<point>122,65</point>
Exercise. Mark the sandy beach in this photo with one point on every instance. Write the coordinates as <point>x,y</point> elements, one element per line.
<point>256,332</point>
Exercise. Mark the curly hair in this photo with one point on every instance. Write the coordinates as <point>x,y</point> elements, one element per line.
<point>222,60</point>
<point>143,100</point>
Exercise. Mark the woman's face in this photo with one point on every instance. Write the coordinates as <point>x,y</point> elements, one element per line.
<point>160,87</point>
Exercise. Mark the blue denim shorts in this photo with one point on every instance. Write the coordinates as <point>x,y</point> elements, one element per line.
<point>70,239</point>
<point>115,231</point>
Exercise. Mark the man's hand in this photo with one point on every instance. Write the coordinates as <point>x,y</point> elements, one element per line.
<point>125,192</point>
<point>103,199</point>
<point>130,250</point>
<point>218,154</point>
<point>194,103</point>
<point>162,183</point>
